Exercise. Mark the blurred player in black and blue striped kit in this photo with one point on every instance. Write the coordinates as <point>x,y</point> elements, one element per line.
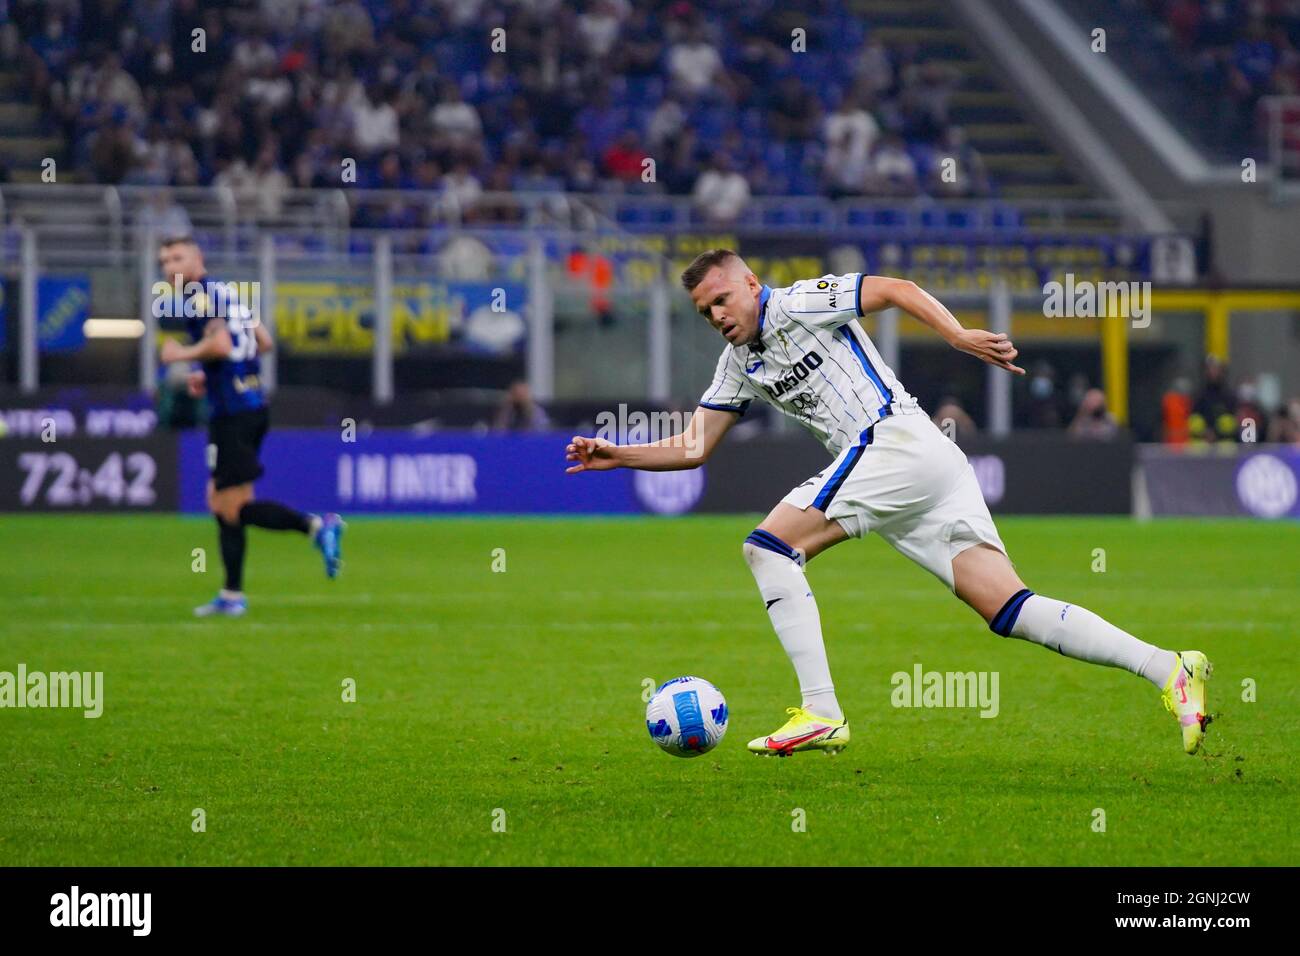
<point>226,342</point>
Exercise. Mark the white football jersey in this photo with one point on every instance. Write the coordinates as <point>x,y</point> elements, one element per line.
<point>813,362</point>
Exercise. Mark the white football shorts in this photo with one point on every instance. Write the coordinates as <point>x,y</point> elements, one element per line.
<point>912,486</point>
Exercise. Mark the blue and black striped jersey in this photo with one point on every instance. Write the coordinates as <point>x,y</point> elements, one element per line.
<point>233,384</point>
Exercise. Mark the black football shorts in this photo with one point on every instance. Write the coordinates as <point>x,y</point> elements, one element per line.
<point>234,444</point>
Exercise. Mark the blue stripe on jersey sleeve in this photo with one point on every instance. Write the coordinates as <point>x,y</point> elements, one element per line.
<point>738,409</point>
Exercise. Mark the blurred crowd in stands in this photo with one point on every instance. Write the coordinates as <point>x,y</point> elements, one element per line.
<point>1240,50</point>
<point>1213,412</point>
<point>1218,412</point>
<point>1040,402</point>
<point>264,96</point>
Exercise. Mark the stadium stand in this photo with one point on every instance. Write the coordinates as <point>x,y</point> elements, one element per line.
<point>279,95</point>
<point>1210,64</point>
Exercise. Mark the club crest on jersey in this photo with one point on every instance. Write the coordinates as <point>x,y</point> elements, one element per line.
<point>795,377</point>
<point>805,403</point>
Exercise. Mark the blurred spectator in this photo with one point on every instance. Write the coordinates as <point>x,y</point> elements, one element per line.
<point>623,161</point>
<point>680,170</point>
<point>694,66</point>
<point>850,133</point>
<point>794,112</point>
<point>598,27</point>
<point>953,420</point>
<point>269,182</point>
<point>1043,409</point>
<point>237,177</point>
<point>1253,60</point>
<point>665,123</point>
<point>1175,409</point>
<point>456,121</point>
<point>268,91</point>
<point>460,189</point>
<point>721,193</point>
<point>1284,428</point>
<point>502,207</point>
<point>164,216</point>
<point>599,122</point>
<point>374,122</point>
<point>114,151</point>
<point>519,411</point>
<point>1213,410</point>
<point>873,67</point>
<point>927,91</point>
<point>1249,413</point>
<point>970,177</point>
<point>116,87</point>
<point>1093,421</point>
<point>596,272</point>
<point>253,53</point>
<point>892,171</point>
<point>348,29</point>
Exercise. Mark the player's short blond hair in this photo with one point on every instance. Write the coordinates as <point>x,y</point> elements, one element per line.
<point>694,274</point>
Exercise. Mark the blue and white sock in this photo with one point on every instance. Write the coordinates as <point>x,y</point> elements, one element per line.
<point>1077,632</point>
<point>779,571</point>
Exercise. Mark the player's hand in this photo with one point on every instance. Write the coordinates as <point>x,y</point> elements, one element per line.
<point>591,454</point>
<point>196,384</point>
<point>992,347</point>
<point>171,351</point>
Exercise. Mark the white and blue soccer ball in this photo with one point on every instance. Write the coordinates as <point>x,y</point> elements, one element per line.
<point>687,716</point>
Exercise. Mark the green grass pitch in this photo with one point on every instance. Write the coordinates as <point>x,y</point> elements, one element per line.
<point>515,698</point>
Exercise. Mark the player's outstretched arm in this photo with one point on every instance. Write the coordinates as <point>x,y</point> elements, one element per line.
<point>687,449</point>
<point>881,292</point>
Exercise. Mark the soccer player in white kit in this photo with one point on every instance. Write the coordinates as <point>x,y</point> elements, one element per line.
<point>801,350</point>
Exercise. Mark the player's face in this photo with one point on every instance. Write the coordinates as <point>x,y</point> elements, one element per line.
<point>728,298</point>
<point>181,259</point>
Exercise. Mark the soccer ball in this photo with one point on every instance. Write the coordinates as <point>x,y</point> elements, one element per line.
<point>687,716</point>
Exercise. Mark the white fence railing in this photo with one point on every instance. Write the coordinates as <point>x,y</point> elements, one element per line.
<point>106,215</point>
<point>650,340</point>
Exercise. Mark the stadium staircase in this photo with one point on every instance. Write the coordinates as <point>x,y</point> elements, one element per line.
<point>1022,162</point>
<point>23,142</point>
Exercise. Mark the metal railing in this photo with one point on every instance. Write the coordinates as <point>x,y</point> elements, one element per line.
<point>314,236</point>
<point>649,344</point>
<point>106,216</point>
<point>126,281</point>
